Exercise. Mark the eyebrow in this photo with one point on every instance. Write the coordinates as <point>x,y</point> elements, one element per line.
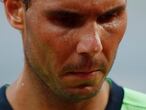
<point>63,12</point>
<point>54,11</point>
<point>115,9</point>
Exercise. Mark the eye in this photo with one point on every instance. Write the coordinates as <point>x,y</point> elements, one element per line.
<point>66,19</point>
<point>108,16</point>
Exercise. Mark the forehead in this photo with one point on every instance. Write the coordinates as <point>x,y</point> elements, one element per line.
<point>83,5</point>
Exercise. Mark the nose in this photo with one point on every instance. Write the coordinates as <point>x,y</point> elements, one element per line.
<point>90,43</point>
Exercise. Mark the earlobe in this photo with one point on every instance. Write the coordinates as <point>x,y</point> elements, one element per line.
<point>15,13</point>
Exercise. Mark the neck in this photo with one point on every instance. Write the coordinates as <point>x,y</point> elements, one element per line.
<point>30,93</point>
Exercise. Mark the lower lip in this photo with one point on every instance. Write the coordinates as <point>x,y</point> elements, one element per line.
<point>83,90</point>
<point>83,75</point>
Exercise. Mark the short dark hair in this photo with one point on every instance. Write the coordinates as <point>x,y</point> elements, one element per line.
<point>26,2</point>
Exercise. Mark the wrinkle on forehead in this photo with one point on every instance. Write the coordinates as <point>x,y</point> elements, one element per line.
<point>83,5</point>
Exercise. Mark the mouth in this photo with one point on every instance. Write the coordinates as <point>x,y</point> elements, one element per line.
<point>83,82</point>
<point>87,70</point>
<point>80,77</point>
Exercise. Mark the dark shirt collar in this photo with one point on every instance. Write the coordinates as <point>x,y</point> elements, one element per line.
<point>116,96</point>
<point>114,102</point>
<point>4,104</point>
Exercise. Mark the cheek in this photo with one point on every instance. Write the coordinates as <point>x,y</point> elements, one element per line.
<point>116,28</point>
<point>52,45</point>
<point>62,48</point>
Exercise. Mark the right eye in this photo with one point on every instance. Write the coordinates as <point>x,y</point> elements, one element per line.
<point>66,19</point>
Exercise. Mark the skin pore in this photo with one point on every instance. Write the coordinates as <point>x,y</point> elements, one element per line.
<point>69,46</point>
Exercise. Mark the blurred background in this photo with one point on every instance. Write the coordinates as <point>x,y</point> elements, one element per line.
<point>129,69</point>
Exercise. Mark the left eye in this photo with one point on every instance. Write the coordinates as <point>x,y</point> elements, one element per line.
<point>108,17</point>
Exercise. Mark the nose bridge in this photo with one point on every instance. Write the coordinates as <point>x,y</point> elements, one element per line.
<point>90,29</point>
<point>90,41</point>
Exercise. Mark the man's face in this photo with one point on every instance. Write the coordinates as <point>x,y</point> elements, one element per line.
<point>71,44</point>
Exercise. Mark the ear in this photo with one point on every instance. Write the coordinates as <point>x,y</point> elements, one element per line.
<point>15,13</point>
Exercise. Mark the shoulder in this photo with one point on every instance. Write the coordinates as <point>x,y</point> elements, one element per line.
<point>133,100</point>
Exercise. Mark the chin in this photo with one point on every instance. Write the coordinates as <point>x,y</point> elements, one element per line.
<point>80,94</point>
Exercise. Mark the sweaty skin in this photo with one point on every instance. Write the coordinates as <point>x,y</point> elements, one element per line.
<point>69,46</point>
